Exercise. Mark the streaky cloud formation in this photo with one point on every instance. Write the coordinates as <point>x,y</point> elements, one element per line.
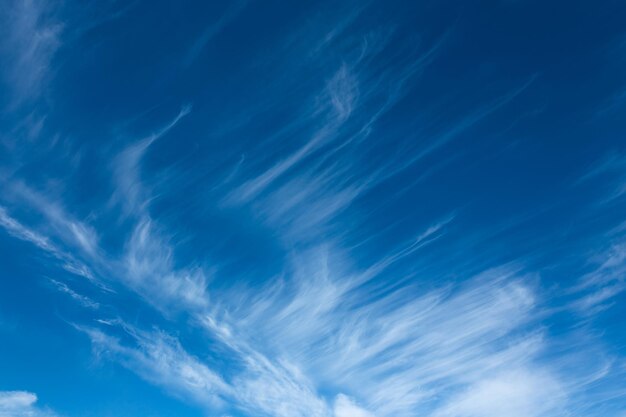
<point>317,209</point>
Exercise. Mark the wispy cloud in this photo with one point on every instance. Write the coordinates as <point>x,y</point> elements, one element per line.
<point>146,265</point>
<point>390,356</point>
<point>301,192</point>
<point>161,360</point>
<point>82,299</point>
<point>396,352</point>
<point>148,268</point>
<point>130,190</point>
<point>516,393</point>
<point>338,98</point>
<point>264,387</point>
<point>609,175</point>
<point>30,39</point>
<point>597,288</point>
<point>68,262</point>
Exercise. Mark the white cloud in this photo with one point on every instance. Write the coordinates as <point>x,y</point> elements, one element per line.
<point>515,393</point>
<point>21,404</point>
<point>276,390</point>
<point>130,191</point>
<point>148,268</point>
<point>397,354</point>
<point>262,385</point>
<point>345,407</point>
<point>395,351</point>
<point>69,262</point>
<point>70,230</point>
<point>160,359</point>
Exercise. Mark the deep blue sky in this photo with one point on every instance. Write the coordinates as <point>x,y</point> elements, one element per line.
<point>312,209</point>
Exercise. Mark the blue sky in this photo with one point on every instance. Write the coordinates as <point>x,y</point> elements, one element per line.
<point>312,209</point>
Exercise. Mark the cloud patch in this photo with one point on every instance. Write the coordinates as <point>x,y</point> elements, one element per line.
<point>21,404</point>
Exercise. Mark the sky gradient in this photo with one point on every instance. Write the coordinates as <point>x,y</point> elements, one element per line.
<point>312,209</point>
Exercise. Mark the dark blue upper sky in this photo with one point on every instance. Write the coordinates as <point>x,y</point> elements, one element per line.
<point>312,209</point>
